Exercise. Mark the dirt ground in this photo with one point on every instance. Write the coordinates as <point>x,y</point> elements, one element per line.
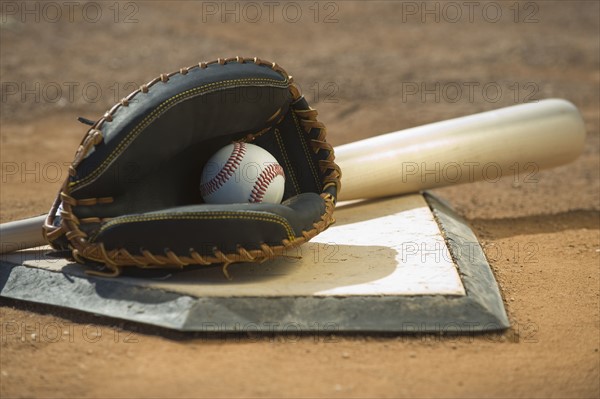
<point>369,68</point>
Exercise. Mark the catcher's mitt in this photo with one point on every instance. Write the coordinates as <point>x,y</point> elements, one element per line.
<point>132,196</point>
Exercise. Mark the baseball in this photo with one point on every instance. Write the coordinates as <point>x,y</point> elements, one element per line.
<point>242,172</point>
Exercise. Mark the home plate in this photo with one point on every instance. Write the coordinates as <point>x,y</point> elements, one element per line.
<point>403,264</point>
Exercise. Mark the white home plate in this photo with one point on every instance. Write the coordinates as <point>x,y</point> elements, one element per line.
<point>402,250</point>
<point>384,266</point>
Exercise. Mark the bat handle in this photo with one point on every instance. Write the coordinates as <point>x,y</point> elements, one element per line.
<point>22,234</point>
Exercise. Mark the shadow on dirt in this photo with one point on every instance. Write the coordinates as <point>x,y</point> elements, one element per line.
<point>538,224</point>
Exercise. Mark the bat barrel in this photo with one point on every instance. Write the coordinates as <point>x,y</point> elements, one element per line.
<point>521,140</point>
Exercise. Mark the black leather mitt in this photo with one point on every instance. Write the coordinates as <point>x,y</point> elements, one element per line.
<point>132,196</point>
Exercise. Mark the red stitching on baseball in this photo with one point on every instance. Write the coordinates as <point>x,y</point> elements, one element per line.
<point>233,162</point>
<point>264,180</point>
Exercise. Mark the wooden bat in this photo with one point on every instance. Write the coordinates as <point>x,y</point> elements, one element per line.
<point>519,139</point>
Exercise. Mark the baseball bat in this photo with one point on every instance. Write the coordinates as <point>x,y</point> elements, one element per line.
<point>519,139</point>
<point>486,146</point>
<point>22,234</point>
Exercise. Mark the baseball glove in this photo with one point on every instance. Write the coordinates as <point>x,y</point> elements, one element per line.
<point>132,196</point>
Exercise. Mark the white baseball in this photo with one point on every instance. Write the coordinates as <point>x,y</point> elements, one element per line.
<point>242,172</point>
